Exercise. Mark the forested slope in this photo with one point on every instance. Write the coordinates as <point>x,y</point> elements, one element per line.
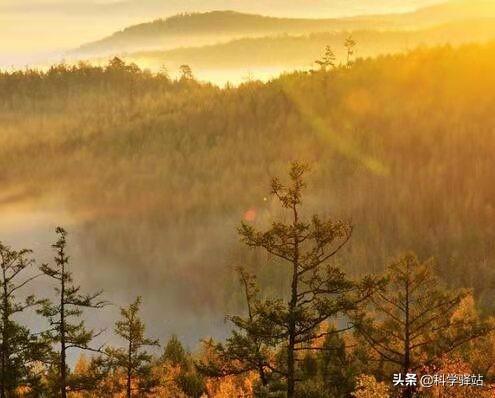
<point>193,29</point>
<point>289,51</point>
<point>206,28</point>
<point>160,172</point>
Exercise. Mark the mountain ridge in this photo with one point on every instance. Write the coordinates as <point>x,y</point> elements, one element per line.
<point>199,25</point>
<point>193,29</point>
<point>266,57</point>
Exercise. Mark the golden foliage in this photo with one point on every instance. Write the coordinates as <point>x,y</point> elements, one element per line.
<point>368,387</point>
<point>455,366</point>
<point>168,387</point>
<point>232,386</point>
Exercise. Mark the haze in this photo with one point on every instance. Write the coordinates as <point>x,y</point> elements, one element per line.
<point>33,29</point>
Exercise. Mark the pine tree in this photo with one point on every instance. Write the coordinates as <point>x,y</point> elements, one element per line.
<point>19,348</point>
<point>328,59</point>
<point>336,365</point>
<point>133,360</point>
<point>92,377</point>
<point>174,353</point>
<point>414,324</point>
<point>186,73</point>
<point>318,291</point>
<point>187,378</point>
<point>67,329</point>
<point>244,351</point>
<point>349,44</point>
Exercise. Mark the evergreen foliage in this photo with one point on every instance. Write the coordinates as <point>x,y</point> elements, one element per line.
<point>67,330</point>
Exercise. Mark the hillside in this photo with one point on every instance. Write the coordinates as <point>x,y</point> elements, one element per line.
<point>196,29</point>
<point>206,28</point>
<point>450,11</point>
<point>288,52</point>
<point>445,12</point>
<point>156,174</point>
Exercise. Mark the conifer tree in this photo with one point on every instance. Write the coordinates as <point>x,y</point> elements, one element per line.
<point>413,324</point>
<point>133,360</point>
<point>328,59</point>
<point>244,351</point>
<point>67,329</point>
<point>174,353</point>
<point>349,44</point>
<point>186,73</point>
<point>19,348</point>
<point>318,291</point>
<point>187,378</point>
<point>116,64</point>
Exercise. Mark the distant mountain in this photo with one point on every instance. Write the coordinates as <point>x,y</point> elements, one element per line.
<point>207,28</point>
<point>198,29</point>
<point>453,10</point>
<point>290,51</point>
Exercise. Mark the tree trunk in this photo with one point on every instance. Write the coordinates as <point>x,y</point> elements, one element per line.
<point>129,384</point>
<point>408,390</point>
<point>291,382</point>
<point>63,365</point>
<point>129,368</point>
<point>291,377</point>
<point>261,373</point>
<point>2,381</point>
<point>4,354</point>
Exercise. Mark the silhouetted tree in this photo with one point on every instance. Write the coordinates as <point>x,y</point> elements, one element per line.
<point>116,64</point>
<point>67,329</point>
<point>413,324</point>
<point>163,73</point>
<point>349,44</point>
<point>318,291</point>
<point>133,360</point>
<point>328,59</point>
<point>186,72</point>
<point>19,348</point>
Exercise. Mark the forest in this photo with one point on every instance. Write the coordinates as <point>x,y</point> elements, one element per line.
<point>229,46</point>
<point>214,27</point>
<point>369,254</point>
<point>297,51</point>
<point>328,336</point>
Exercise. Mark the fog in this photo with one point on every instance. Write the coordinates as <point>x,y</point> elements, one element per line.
<point>36,30</point>
<point>156,185</point>
<point>168,308</point>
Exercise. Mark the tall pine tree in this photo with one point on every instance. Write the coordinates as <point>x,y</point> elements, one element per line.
<point>318,292</point>
<point>349,44</point>
<point>413,323</point>
<point>133,360</point>
<point>328,60</point>
<point>243,351</point>
<point>19,348</point>
<point>67,329</point>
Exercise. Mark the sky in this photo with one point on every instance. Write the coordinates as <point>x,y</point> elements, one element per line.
<point>31,30</point>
